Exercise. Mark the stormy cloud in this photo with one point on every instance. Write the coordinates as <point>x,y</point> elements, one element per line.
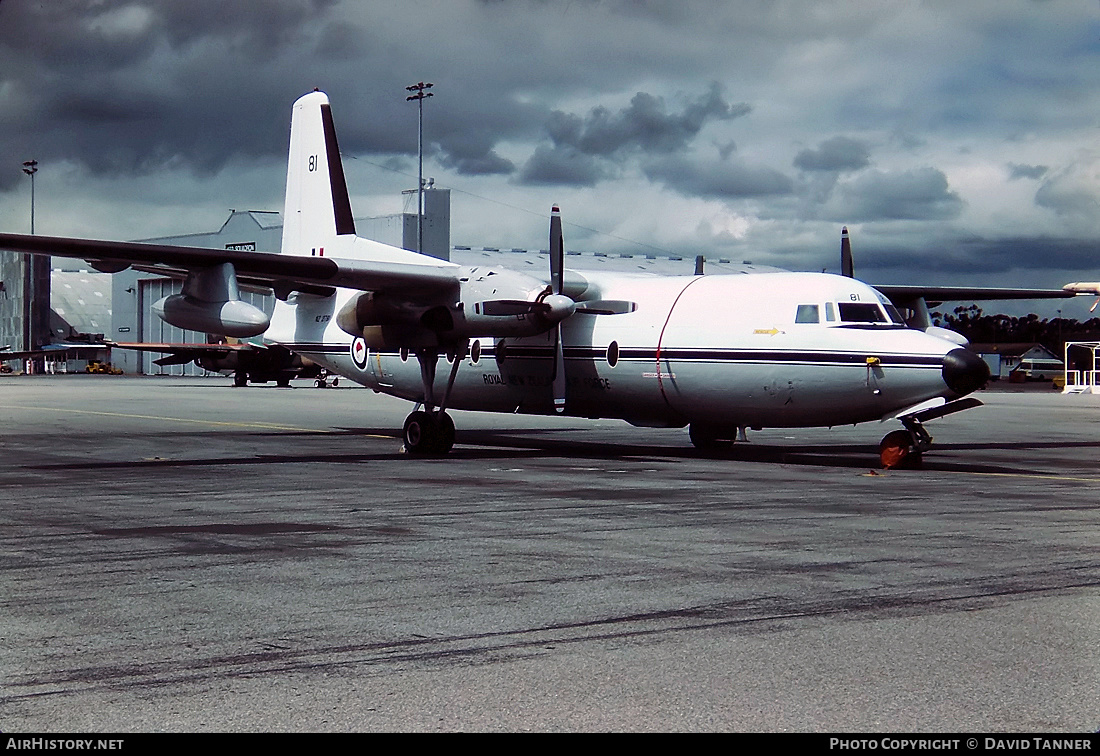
<point>925,127</point>
<point>581,148</point>
<point>839,154</point>
<point>920,194</point>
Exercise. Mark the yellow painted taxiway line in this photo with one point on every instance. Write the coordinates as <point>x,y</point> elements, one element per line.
<point>1032,476</point>
<point>167,419</point>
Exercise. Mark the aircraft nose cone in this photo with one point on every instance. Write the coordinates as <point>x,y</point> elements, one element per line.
<point>964,371</point>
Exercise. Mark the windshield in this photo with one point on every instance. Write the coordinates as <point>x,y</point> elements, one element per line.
<point>861,312</point>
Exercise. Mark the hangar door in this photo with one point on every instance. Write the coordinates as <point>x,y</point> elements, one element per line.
<point>155,330</point>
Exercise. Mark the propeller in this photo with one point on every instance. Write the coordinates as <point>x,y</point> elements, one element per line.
<point>557,284</point>
<point>847,266</point>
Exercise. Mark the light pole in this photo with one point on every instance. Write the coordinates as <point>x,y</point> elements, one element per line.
<point>30,167</point>
<point>419,88</point>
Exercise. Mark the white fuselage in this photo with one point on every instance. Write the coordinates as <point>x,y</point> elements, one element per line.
<point>759,350</point>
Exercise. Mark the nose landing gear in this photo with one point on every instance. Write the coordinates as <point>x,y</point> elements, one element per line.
<point>903,449</point>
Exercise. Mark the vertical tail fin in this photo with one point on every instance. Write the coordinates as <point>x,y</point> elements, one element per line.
<point>317,208</point>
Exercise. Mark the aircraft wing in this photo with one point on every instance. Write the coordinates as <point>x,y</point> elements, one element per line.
<point>959,293</point>
<point>276,271</point>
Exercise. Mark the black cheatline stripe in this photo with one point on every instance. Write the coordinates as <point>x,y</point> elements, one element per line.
<point>739,355</point>
<point>341,204</point>
<point>693,355</point>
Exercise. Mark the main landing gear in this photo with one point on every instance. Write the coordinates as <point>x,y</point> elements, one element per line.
<point>431,431</point>
<point>903,449</point>
<point>716,438</point>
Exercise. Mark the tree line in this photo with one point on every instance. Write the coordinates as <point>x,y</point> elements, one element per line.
<point>1052,333</point>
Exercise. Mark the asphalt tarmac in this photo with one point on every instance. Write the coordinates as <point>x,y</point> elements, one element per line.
<point>180,555</point>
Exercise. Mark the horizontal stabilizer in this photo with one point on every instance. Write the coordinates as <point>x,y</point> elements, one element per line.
<point>175,359</point>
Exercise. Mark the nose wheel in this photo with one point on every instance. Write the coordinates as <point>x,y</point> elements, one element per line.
<point>903,449</point>
<point>896,451</point>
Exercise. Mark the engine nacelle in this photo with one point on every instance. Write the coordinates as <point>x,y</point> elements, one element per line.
<point>368,309</point>
<point>211,302</point>
<point>108,266</point>
<point>231,318</point>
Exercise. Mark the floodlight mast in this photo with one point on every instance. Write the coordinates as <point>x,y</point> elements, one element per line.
<point>30,167</point>
<point>420,88</point>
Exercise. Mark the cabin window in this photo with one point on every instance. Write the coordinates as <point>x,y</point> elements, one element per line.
<point>861,312</point>
<point>807,313</point>
<point>613,354</point>
<point>475,352</point>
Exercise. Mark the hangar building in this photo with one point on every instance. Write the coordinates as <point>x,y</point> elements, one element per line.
<point>133,292</point>
<point>119,306</point>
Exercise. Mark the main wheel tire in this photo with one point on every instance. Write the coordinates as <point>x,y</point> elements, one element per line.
<point>708,438</point>
<point>445,430</point>
<point>420,433</point>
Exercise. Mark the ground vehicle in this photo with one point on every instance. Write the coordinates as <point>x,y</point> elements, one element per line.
<point>102,368</point>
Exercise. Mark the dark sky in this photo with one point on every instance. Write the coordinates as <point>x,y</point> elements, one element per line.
<point>957,141</point>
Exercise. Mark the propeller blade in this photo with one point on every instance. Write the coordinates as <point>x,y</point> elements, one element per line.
<point>557,252</point>
<point>557,284</point>
<point>559,372</point>
<point>606,307</point>
<point>509,307</point>
<point>847,264</point>
<point>553,307</point>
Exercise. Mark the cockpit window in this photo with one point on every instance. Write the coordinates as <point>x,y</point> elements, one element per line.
<point>861,312</point>
<point>807,313</point>
<point>895,316</point>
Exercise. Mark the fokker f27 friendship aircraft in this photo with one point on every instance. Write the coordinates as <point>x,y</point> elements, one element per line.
<point>715,353</point>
